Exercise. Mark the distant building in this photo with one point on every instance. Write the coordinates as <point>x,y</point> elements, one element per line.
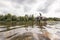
<point>41,17</point>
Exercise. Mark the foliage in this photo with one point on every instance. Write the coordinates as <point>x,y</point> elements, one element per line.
<point>12,20</point>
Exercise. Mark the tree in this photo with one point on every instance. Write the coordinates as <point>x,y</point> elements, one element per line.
<point>8,20</point>
<point>32,20</point>
<point>26,21</point>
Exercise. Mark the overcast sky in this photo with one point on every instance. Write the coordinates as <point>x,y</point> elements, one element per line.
<point>49,8</point>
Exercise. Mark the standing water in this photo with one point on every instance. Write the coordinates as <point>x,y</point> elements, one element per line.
<point>53,30</point>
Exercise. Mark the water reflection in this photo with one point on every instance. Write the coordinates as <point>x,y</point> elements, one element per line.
<point>53,30</point>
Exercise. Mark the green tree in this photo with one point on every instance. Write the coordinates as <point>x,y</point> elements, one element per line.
<point>8,20</point>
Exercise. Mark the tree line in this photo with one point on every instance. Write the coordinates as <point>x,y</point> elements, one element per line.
<point>13,20</point>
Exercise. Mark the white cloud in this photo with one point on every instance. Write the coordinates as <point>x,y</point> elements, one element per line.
<point>53,10</point>
<point>22,7</point>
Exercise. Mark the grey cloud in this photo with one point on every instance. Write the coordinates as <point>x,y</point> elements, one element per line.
<point>4,10</point>
<point>27,9</point>
<point>30,1</point>
<point>23,1</point>
<point>47,4</point>
<point>57,11</point>
<point>2,5</point>
<point>18,1</point>
<point>43,10</point>
<point>16,5</point>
